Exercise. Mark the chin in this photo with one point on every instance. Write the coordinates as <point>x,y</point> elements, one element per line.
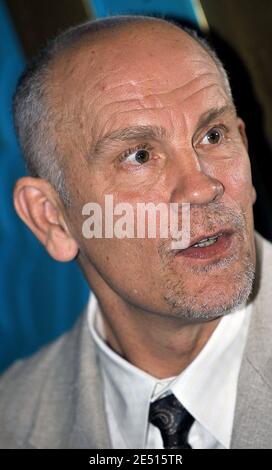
<point>213,294</point>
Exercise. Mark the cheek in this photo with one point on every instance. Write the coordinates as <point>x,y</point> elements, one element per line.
<point>234,172</point>
<point>138,189</point>
<point>129,267</point>
<point>239,189</point>
<point>238,181</point>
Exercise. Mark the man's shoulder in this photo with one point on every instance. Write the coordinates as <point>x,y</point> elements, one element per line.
<point>262,243</point>
<point>30,381</point>
<point>252,429</point>
<point>42,363</point>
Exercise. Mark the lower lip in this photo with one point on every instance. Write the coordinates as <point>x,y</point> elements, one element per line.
<point>217,249</point>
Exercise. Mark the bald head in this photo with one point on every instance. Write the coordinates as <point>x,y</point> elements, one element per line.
<point>54,95</point>
<point>122,37</point>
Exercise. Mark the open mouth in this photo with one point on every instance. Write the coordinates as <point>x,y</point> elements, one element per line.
<point>207,241</point>
<point>210,246</point>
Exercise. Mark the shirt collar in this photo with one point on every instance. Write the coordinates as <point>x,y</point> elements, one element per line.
<point>207,387</point>
<point>129,389</point>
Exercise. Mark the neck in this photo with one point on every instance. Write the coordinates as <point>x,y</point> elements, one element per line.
<point>161,346</point>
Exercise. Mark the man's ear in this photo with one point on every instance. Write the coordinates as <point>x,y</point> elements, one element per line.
<point>242,132</point>
<point>38,205</point>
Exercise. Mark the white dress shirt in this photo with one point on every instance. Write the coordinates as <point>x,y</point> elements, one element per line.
<point>206,388</point>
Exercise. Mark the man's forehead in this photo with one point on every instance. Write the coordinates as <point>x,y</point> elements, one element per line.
<point>138,96</point>
<point>102,80</point>
<point>136,53</point>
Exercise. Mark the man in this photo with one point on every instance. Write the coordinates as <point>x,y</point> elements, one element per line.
<point>174,349</point>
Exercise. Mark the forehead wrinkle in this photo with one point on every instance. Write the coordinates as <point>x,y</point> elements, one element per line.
<point>199,91</point>
<point>137,108</point>
<point>108,91</point>
<point>129,82</point>
<point>160,98</point>
<point>165,92</point>
<point>101,88</point>
<point>138,117</point>
<point>139,105</point>
<point>157,97</point>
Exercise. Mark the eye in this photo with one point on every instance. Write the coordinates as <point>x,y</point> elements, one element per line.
<point>137,156</point>
<point>213,136</point>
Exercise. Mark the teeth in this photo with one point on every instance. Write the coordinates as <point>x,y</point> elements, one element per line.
<point>206,242</point>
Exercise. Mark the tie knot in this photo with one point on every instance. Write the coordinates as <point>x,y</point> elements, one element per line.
<point>173,420</point>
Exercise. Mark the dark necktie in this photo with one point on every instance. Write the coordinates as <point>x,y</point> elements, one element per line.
<point>173,420</point>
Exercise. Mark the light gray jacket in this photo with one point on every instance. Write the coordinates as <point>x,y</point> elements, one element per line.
<point>55,399</point>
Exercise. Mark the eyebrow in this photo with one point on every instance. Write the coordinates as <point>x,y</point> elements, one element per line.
<point>128,134</point>
<point>212,114</point>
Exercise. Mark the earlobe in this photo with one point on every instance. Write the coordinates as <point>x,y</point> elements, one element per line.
<point>36,203</point>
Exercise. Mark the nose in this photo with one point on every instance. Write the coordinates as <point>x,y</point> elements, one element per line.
<point>196,187</point>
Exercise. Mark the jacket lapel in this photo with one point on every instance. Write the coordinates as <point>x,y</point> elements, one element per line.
<point>90,428</point>
<point>71,412</point>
